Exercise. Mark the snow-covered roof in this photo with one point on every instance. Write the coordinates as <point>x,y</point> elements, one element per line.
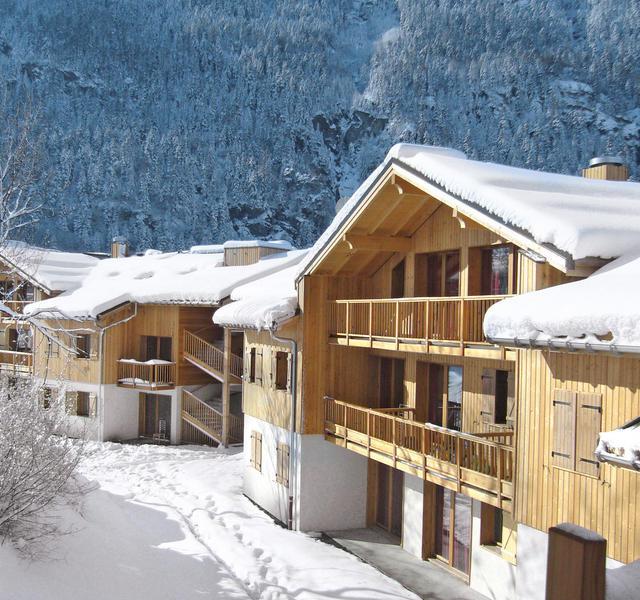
<point>262,303</point>
<point>576,216</point>
<point>51,270</point>
<point>621,446</point>
<point>582,313</point>
<point>207,249</point>
<point>169,278</point>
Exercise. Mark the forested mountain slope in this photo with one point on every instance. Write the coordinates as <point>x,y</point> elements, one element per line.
<point>175,122</point>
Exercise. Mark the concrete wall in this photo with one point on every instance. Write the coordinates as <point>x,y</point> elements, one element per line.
<point>332,486</point>
<point>412,514</point>
<point>262,487</point>
<point>491,574</point>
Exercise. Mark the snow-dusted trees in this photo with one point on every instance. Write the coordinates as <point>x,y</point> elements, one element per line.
<point>37,460</point>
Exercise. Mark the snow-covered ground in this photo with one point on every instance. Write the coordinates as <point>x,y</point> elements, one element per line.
<point>171,523</point>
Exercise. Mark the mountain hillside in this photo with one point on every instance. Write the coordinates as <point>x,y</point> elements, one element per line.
<point>176,122</point>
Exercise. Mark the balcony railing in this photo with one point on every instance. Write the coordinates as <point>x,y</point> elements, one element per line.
<point>411,320</point>
<point>16,362</point>
<point>149,375</point>
<point>480,466</point>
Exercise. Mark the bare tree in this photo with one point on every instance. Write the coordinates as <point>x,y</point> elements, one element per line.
<point>37,460</point>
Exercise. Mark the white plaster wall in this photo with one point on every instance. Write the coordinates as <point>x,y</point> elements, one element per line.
<point>85,427</point>
<point>491,575</point>
<point>121,413</point>
<point>412,514</point>
<point>332,486</point>
<point>262,487</point>
<point>531,554</point>
<point>176,415</point>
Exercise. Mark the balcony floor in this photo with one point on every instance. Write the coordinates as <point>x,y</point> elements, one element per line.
<point>383,552</point>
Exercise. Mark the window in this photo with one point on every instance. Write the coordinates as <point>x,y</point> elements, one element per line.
<point>282,464</point>
<point>438,274</point>
<point>81,404</point>
<point>83,346</point>
<point>250,365</point>
<point>498,397</point>
<point>577,420</point>
<point>53,347</point>
<point>494,278</point>
<point>46,397</point>
<point>256,451</point>
<point>498,529</point>
<point>281,371</point>
<point>155,348</point>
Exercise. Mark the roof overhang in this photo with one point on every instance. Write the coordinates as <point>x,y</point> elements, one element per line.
<point>395,168</point>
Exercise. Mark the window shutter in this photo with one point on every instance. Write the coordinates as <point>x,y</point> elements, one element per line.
<point>93,404</point>
<point>259,452</point>
<point>488,396</point>
<point>564,420</point>
<point>289,370</point>
<point>252,456</point>
<point>274,368</point>
<point>246,365</point>
<point>71,403</point>
<point>588,422</point>
<point>258,376</point>
<point>93,346</point>
<point>511,399</point>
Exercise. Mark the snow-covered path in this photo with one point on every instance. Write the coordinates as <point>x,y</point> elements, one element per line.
<point>171,523</point>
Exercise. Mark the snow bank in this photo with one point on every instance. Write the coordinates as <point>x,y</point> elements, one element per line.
<point>51,269</point>
<point>582,217</point>
<point>602,305</point>
<point>262,303</point>
<point>169,278</point>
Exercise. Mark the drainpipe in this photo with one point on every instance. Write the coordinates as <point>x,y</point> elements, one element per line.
<point>292,427</point>
<point>101,331</point>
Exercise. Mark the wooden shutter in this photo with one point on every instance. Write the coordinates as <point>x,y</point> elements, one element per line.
<point>258,459</point>
<point>246,365</point>
<point>93,346</point>
<point>282,469</point>
<point>93,404</point>
<point>274,369</point>
<point>588,424</point>
<point>488,396</point>
<point>511,399</point>
<point>289,370</point>
<point>564,429</point>
<point>71,403</point>
<point>258,376</point>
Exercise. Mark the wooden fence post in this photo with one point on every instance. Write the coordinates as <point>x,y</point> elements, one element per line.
<point>575,563</point>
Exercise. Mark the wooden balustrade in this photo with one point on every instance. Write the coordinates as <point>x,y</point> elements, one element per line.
<point>146,375</point>
<point>210,421</point>
<point>477,465</point>
<point>19,362</point>
<point>209,355</point>
<point>453,320</point>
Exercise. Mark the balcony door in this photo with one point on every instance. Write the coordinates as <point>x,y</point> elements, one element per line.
<point>453,529</point>
<point>391,390</point>
<point>389,490</point>
<point>439,395</point>
<point>155,416</point>
<point>438,274</point>
<point>153,347</point>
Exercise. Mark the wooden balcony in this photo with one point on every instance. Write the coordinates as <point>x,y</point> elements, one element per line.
<point>150,375</point>
<point>436,325</point>
<point>478,465</point>
<point>16,362</point>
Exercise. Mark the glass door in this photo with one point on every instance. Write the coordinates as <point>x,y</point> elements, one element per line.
<point>453,529</point>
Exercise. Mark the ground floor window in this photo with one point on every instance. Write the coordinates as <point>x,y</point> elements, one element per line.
<point>498,531</point>
<point>155,416</point>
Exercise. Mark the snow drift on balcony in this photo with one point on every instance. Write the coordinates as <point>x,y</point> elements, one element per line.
<point>582,217</point>
<point>261,304</point>
<point>168,278</point>
<point>51,269</point>
<point>604,305</point>
<point>623,443</point>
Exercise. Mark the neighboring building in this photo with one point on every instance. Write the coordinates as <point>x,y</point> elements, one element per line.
<point>407,417</point>
<point>29,274</point>
<point>140,357</point>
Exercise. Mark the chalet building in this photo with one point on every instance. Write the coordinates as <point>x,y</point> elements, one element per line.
<point>29,274</point>
<point>377,400</point>
<point>139,355</point>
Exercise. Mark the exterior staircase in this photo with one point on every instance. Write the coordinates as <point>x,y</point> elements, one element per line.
<point>208,357</point>
<point>209,420</point>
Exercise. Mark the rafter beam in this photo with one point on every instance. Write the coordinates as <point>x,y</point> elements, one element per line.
<point>377,243</point>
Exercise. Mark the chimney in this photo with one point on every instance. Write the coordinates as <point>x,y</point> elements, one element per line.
<point>611,168</point>
<point>119,247</point>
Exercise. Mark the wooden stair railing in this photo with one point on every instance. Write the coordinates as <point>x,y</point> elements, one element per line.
<point>209,420</point>
<point>208,354</point>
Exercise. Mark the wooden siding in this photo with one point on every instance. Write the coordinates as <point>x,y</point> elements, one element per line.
<point>247,256</point>
<point>545,494</point>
